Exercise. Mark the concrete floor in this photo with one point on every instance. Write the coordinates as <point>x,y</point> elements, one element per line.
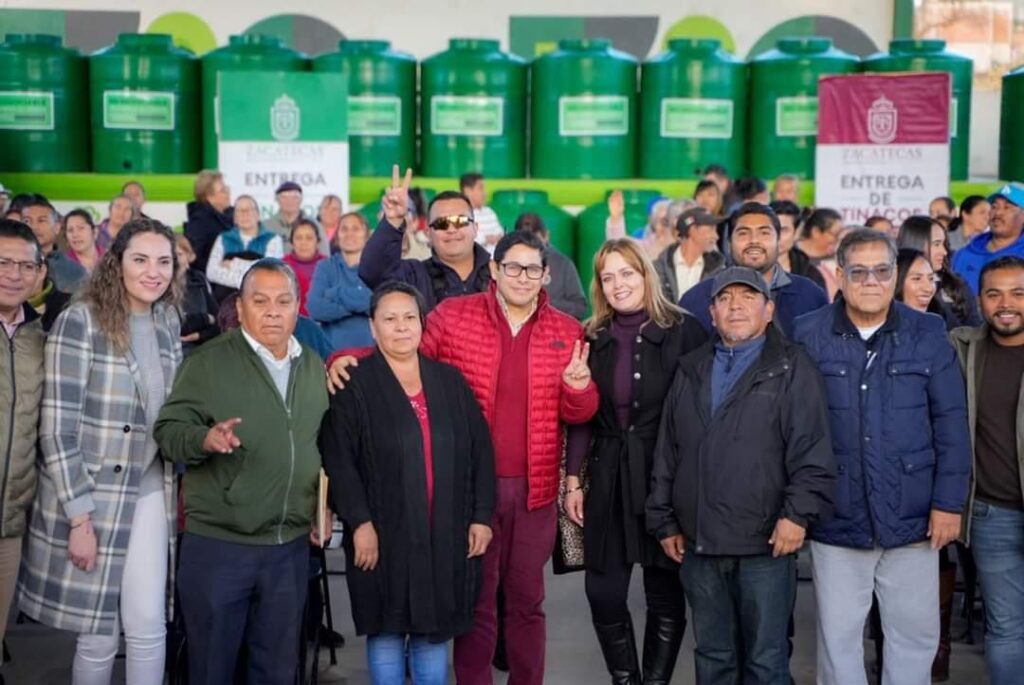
<point>43,657</point>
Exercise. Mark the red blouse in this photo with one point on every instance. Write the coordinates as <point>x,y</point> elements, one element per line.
<point>419,406</point>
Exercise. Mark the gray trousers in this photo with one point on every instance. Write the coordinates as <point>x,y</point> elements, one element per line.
<point>906,580</point>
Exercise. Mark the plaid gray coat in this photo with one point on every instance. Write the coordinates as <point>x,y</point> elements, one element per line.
<point>92,437</point>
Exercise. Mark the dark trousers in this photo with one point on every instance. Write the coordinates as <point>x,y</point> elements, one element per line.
<point>234,594</point>
<point>740,609</point>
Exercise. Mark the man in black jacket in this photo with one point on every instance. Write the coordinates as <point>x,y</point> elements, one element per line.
<point>742,466</point>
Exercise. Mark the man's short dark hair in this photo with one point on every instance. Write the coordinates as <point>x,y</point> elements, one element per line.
<point>388,287</point>
<point>1008,262</point>
<point>749,187</point>
<point>272,265</point>
<point>864,236</point>
<point>9,228</point>
<point>754,208</point>
<point>875,220</point>
<point>704,184</point>
<point>821,220</point>
<point>450,195</point>
<point>715,170</point>
<point>36,200</point>
<point>788,208</point>
<point>520,238</point>
<point>469,180</point>
<point>532,223</point>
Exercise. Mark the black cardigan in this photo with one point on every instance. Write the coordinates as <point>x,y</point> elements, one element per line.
<point>372,448</point>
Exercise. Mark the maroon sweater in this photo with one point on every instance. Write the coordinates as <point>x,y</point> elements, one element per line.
<point>511,403</point>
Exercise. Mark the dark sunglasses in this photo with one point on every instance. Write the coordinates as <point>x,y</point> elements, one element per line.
<point>444,223</point>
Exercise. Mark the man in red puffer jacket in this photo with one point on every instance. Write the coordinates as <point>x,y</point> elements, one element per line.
<point>527,365</point>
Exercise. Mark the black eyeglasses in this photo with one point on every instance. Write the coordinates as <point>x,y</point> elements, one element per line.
<point>882,274</point>
<point>444,223</point>
<point>26,268</point>
<point>534,272</point>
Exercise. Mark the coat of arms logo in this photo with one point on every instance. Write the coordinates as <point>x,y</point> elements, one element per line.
<point>285,119</point>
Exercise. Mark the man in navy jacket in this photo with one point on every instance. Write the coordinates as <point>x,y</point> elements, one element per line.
<point>754,242</point>
<point>898,415</point>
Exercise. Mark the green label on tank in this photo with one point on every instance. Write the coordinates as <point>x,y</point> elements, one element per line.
<point>593,115</point>
<point>796,116</point>
<point>954,110</point>
<point>26,111</point>
<point>138,109</point>
<point>696,118</point>
<point>374,115</point>
<point>459,115</point>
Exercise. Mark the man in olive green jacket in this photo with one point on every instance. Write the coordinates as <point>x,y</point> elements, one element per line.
<point>21,391</point>
<point>244,417</point>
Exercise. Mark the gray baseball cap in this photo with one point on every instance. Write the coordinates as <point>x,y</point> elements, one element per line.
<point>739,275</point>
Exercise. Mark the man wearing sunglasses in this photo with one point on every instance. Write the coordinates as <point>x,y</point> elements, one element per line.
<point>458,266</point>
<point>898,420</point>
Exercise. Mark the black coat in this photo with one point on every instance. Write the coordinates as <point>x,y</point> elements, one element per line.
<point>723,481</point>
<point>198,310</point>
<point>372,447</point>
<point>620,459</point>
<point>203,226</point>
<point>801,265</point>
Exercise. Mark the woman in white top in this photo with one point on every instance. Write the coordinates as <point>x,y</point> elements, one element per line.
<point>235,250</point>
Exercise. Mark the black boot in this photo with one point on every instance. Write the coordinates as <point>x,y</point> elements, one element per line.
<point>619,648</point>
<point>662,638</point>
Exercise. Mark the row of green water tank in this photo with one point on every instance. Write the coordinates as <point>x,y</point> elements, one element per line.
<point>151,104</point>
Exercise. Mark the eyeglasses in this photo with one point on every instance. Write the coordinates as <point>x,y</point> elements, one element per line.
<point>444,223</point>
<point>26,268</point>
<point>534,272</point>
<point>882,274</point>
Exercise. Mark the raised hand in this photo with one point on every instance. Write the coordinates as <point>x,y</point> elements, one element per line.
<point>616,205</point>
<point>577,373</point>
<point>221,438</point>
<point>395,203</point>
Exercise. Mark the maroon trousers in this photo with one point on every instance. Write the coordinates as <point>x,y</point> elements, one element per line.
<point>522,544</point>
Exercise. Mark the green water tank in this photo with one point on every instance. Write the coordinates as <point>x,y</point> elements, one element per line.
<point>381,104</point>
<point>473,111</point>
<point>1011,132</point>
<point>145,107</point>
<point>583,112</point>
<point>592,222</point>
<point>784,103</point>
<point>908,54</point>
<point>561,225</point>
<point>250,52</point>
<point>693,110</point>
<point>44,118</point>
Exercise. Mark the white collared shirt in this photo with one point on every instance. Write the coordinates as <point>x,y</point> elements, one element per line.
<point>687,275</point>
<point>294,351</point>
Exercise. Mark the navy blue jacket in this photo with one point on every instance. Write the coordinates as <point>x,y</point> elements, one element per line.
<point>382,261</point>
<point>898,418</point>
<point>794,298</point>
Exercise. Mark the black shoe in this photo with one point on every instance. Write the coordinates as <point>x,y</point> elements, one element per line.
<point>662,638</point>
<point>619,648</point>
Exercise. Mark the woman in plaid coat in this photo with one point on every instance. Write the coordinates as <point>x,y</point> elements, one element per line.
<point>98,553</point>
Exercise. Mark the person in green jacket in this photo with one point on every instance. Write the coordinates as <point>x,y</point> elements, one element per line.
<point>21,390</point>
<point>243,417</point>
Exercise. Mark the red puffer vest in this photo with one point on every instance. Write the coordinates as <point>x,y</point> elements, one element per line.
<point>463,331</point>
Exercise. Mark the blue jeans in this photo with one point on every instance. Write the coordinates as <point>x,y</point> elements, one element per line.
<point>997,538</point>
<point>741,608</point>
<point>385,654</point>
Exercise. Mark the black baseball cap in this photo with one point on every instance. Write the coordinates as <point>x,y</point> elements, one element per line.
<point>696,216</point>
<point>739,275</point>
<point>286,186</point>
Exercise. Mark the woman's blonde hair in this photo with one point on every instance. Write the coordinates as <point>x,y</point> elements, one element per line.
<point>105,292</point>
<point>658,307</point>
<point>205,182</point>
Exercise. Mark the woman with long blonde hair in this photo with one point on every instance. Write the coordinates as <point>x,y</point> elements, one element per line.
<point>98,550</point>
<point>637,337</point>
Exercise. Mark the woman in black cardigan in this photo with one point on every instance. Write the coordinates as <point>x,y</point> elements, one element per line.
<point>638,337</point>
<point>411,470</point>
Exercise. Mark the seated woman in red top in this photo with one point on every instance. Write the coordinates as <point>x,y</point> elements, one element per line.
<point>411,470</point>
<point>305,255</point>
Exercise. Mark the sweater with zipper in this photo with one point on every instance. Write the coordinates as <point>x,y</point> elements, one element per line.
<point>264,492</point>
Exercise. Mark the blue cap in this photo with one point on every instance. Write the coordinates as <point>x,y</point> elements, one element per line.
<point>1011,192</point>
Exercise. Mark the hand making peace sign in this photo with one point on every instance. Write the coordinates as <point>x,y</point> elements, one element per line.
<point>577,373</point>
<point>396,199</point>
